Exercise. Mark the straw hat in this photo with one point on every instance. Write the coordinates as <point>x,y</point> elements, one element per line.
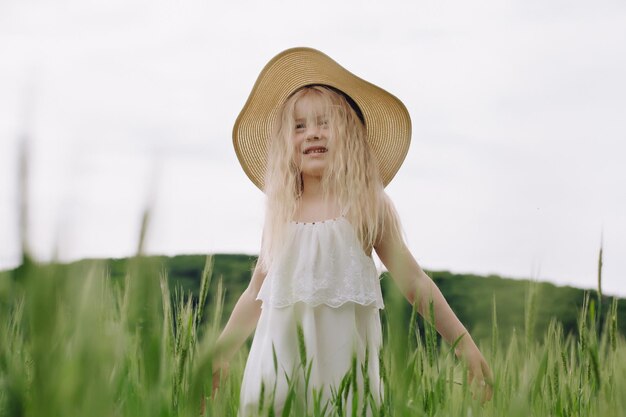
<point>387,120</point>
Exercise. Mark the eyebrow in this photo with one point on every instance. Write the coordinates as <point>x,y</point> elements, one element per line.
<point>304,119</point>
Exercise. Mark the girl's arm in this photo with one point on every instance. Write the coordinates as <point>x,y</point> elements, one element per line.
<point>418,288</point>
<point>242,320</point>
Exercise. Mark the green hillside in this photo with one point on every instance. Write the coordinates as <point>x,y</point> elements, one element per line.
<point>470,296</point>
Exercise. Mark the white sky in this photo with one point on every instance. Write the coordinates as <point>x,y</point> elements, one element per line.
<point>516,166</point>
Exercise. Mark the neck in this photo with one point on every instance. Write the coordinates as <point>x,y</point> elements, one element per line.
<point>313,203</point>
<point>311,186</point>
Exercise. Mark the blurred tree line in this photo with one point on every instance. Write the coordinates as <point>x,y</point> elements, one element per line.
<point>471,297</point>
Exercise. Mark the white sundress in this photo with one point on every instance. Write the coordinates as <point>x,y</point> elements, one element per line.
<point>323,281</point>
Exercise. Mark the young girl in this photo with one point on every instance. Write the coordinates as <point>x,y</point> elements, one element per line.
<point>322,144</point>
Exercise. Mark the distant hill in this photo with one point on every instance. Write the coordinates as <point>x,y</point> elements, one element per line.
<point>470,296</point>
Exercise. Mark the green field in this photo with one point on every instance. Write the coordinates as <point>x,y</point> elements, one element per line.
<point>470,296</point>
<point>115,338</point>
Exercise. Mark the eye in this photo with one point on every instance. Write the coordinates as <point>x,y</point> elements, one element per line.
<point>300,126</point>
<point>322,121</point>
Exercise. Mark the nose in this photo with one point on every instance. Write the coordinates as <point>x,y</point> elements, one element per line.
<point>313,132</point>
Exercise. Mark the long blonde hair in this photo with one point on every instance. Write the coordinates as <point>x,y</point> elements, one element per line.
<point>351,174</point>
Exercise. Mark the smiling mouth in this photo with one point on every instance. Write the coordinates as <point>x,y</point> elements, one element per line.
<point>315,149</point>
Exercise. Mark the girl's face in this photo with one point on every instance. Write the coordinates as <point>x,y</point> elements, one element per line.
<point>310,135</point>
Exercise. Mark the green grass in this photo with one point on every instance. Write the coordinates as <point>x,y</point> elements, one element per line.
<point>79,343</point>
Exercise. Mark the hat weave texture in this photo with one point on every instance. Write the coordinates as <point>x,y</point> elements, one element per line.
<point>387,120</point>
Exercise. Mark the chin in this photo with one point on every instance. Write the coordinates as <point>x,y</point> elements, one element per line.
<point>313,171</point>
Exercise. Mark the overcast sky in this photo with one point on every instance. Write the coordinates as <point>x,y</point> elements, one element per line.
<point>516,166</point>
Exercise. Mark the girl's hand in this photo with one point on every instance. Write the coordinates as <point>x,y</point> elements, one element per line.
<point>220,370</point>
<point>480,376</point>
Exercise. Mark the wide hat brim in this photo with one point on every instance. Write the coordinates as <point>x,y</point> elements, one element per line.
<point>387,120</point>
